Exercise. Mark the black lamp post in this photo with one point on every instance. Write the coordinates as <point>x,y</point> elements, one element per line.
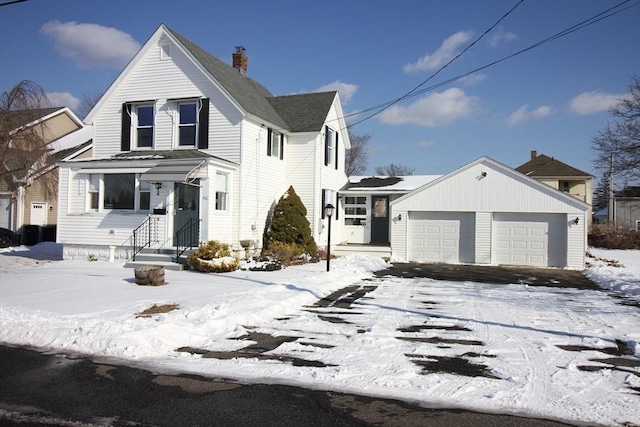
<point>328,211</point>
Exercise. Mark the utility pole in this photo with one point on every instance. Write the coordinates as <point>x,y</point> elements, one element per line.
<point>612,217</point>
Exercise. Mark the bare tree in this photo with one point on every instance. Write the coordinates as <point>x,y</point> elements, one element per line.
<point>618,146</point>
<point>23,141</point>
<point>393,169</point>
<point>87,102</point>
<point>357,158</point>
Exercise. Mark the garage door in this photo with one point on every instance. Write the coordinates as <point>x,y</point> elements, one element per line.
<point>530,239</point>
<point>442,237</point>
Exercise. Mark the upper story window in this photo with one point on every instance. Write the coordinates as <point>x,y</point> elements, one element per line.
<point>565,186</point>
<point>187,124</point>
<point>275,145</point>
<point>144,123</point>
<point>330,147</point>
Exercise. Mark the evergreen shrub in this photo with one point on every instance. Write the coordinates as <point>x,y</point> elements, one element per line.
<point>213,257</point>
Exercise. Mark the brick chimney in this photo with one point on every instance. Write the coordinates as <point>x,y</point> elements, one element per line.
<point>534,154</point>
<point>240,60</point>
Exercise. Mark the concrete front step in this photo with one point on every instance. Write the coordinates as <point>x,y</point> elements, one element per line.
<point>167,265</point>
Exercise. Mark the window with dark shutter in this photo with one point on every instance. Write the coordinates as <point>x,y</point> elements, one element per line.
<point>336,148</point>
<point>203,125</point>
<point>327,135</point>
<point>125,133</point>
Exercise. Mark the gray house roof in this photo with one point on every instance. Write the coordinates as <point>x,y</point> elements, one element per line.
<point>295,113</point>
<point>305,112</point>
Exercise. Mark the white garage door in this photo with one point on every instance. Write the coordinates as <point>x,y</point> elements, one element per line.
<point>530,239</point>
<point>442,237</point>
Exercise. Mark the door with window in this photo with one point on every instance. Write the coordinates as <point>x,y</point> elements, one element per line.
<point>380,219</point>
<point>186,223</point>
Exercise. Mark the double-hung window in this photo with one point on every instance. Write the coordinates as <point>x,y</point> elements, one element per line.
<point>330,147</point>
<point>187,124</point>
<point>222,191</point>
<point>144,122</point>
<point>275,145</point>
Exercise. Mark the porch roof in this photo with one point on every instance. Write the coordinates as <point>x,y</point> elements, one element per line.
<point>177,172</point>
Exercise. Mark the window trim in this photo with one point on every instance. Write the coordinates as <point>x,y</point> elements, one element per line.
<point>195,125</point>
<point>136,125</point>
<point>275,150</point>
<point>137,191</point>
<point>330,147</point>
<point>224,200</point>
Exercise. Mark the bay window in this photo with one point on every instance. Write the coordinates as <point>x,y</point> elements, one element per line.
<point>123,192</point>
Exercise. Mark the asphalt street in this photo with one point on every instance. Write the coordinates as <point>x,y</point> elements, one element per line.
<point>65,390</point>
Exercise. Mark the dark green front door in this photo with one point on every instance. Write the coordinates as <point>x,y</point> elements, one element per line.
<point>380,219</point>
<point>187,203</point>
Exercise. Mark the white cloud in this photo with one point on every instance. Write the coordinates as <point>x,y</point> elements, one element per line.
<point>91,45</point>
<point>63,99</point>
<point>442,55</point>
<point>523,114</point>
<point>473,79</point>
<point>594,102</point>
<point>433,110</point>
<point>501,36</point>
<point>346,90</point>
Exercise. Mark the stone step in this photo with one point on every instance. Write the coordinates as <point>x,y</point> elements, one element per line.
<point>167,265</point>
<point>152,257</point>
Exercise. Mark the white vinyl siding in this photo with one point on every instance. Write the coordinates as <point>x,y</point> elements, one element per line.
<point>147,80</point>
<point>498,190</point>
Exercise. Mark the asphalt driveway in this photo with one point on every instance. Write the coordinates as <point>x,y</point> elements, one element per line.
<point>552,277</point>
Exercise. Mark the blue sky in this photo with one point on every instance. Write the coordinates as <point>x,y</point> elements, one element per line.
<point>552,99</point>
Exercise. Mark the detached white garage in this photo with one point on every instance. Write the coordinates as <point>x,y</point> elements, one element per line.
<point>488,213</point>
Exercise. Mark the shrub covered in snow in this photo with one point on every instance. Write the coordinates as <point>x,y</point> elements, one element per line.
<point>213,257</point>
<point>289,234</point>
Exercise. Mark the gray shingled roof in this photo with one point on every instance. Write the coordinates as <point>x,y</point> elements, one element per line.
<point>251,95</point>
<point>305,112</point>
<point>543,166</point>
<point>295,113</point>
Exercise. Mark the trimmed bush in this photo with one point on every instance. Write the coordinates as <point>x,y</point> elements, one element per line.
<point>290,226</point>
<point>214,257</point>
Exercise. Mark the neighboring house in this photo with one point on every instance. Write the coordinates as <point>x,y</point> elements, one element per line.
<point>561,176</point>
<point>187,149</point>
<point>626,208</point>
<point>30,197</point>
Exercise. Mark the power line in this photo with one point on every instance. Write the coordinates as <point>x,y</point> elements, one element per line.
<point>414,92</point>
<point>408,94</point>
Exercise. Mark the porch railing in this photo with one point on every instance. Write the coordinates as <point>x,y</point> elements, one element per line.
<point>144,235</point>
<point>187,237</point>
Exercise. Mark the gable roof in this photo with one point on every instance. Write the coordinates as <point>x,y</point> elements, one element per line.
<point>251,95</point>
<point>21,118</point>
<point>544,188</point>
<point>545,166</point>
<point>629,191</point>
<point>304,112</point>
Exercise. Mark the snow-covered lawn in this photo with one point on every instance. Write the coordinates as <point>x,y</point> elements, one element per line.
<point>532,351</point>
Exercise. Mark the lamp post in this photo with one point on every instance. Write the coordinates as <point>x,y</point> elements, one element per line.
<point>328,211</point>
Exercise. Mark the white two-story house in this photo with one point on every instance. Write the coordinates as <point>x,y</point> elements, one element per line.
<point>187,149</point>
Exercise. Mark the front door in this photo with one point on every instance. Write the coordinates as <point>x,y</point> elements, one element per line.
<point>380,219</point>
<point>187,208</point>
